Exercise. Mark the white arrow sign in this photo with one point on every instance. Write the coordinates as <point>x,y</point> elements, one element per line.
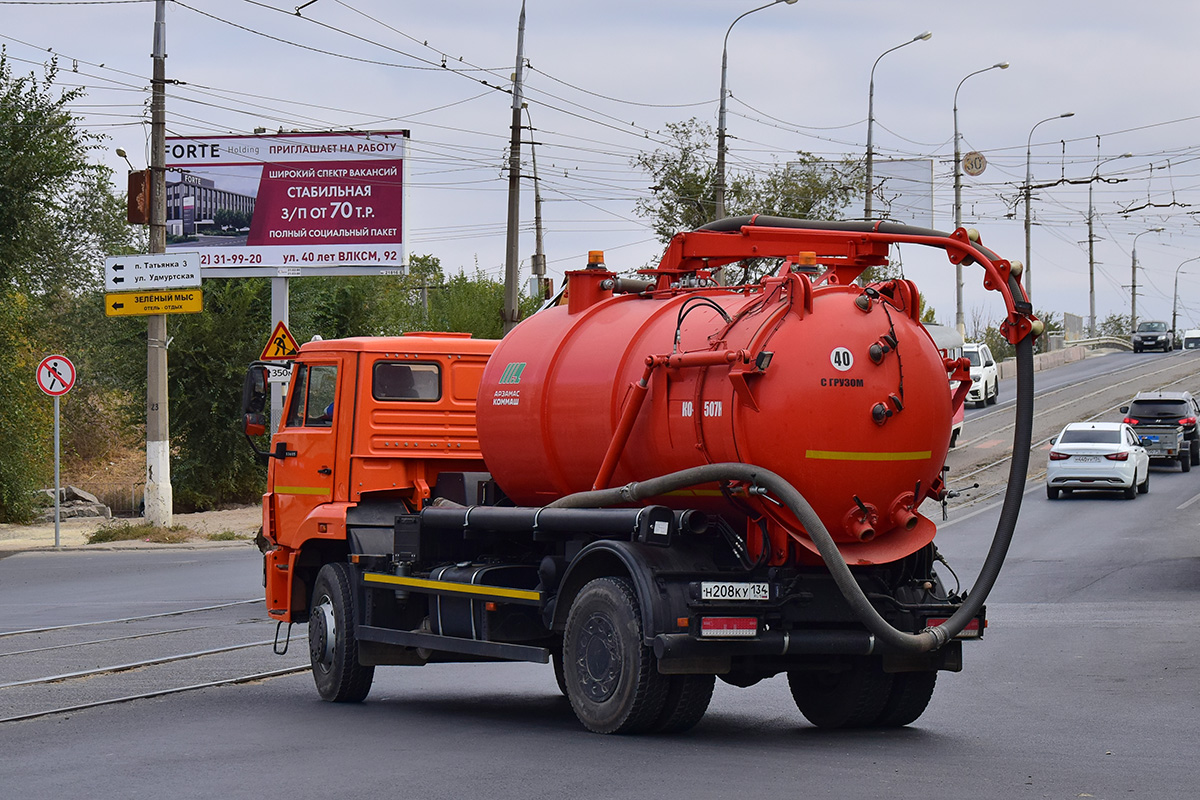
<point>139,273</point>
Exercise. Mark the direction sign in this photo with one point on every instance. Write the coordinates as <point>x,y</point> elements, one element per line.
<point>140,304</point>
<point>158,271</point>
<point>55,375</point>
<point>281,346</point>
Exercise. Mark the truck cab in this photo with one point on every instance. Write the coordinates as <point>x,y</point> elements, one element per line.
<point>365,418</point>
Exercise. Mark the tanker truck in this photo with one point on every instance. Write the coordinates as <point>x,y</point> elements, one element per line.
<point>652,483</point>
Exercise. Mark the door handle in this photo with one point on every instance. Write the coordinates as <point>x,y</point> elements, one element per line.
<point>325,471</point>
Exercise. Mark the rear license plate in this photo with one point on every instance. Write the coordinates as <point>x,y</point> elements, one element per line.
<point>1088,459</point>
<point>719,590</point>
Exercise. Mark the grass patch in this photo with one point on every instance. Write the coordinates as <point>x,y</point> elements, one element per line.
<point>228,536</point>
<point>176,534</point>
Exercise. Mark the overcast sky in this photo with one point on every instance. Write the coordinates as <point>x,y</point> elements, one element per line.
<point>607,76</point>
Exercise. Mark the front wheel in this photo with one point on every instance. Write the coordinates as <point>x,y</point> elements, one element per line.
<point>991,401</point>
<point>332,643</point>
<point>612,677</point>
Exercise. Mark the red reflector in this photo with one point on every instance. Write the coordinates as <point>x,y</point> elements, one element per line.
<point>729,626</point>
<point>971,631</point>
<point>1130,421</point>
<point>1117,456</point>
<point>1057,456</point>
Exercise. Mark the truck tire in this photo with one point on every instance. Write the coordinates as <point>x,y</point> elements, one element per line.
<point>687,700</point>
<point>332,643</point>
<point>560,676</point>
<point>910,695</point>
<point>854,698</point>
<point>612,677</point>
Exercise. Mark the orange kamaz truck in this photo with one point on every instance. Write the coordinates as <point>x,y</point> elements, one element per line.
<point>652,483</point>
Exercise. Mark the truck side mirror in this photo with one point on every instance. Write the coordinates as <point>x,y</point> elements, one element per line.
<point>254,424</point>
<point>254,389</point>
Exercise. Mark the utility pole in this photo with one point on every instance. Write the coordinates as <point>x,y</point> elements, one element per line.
<point>511,261</point>
<point>538,264</point>
<point>158,497</point>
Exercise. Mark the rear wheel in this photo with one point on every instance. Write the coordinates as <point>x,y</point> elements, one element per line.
<point>332,643</point>
<point>910,695</point>
<point>612,678</point>
<point>1131,492</point>
<point>1196,452</point>
<point>853,698</point>
<point>1144,486</point>
<point>687,700</point>
<point>1185,462</point>
<point>1052,493</point>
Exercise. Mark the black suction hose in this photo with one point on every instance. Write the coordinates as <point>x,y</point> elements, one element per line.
<point>926,640</point>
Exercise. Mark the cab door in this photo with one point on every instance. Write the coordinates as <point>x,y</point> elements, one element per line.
<point>306,472</point>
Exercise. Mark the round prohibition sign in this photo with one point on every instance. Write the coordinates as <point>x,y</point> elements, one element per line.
<point>55,375</point>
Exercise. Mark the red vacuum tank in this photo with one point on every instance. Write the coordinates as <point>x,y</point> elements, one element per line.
<point>837,388</point>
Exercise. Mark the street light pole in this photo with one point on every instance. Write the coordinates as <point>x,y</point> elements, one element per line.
<point>921,37</point>
<point>1028,279</point>
<point>1175,298</point>
<point>1092,245</point>
<point>959,320</point>
<point>1133,285</point>
<point>719,189</point>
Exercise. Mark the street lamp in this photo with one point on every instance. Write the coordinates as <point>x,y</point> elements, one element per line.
<point>1175,297</point>
<point>720,187</point>
<point>921,37</point>
<point>1092,246</point>
<point>1133,286</point>
<point>1028,195</point>
<point>959,322</point>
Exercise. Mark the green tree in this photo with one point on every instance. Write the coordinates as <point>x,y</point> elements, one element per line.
<point>59,216</point>
<point>1115,325</point>
<point>683,176</point>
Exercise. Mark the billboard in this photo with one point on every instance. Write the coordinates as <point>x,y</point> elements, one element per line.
<point>289,204</point>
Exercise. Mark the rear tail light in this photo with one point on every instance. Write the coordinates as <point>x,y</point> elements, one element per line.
<point>1130,421</point>
<point>1188,421</point>
<point>1117,456</point>
<point>729,626</point>
<point>973,630</point>
<point>1057,456</point>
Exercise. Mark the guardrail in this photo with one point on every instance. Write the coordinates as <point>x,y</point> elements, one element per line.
<point>1102,341</point>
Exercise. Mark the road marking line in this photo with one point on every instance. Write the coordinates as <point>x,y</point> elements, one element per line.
<point>1188,503</point>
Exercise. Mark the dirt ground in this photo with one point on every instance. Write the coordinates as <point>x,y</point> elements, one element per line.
<point>243,522</point>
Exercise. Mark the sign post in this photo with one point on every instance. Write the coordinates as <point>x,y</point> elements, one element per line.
<point>55,377</point>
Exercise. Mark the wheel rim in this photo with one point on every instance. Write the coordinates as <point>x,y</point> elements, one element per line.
<point>599,661</point>
<point>322,633</point>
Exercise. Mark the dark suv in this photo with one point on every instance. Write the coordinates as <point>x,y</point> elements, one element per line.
<point>1167,408</point>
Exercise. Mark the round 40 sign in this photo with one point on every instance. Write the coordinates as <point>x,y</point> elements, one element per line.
<point>55,375</point>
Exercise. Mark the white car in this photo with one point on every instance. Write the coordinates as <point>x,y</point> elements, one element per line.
<point>1097,455</point>
<point>985,375</point>
<point>1191,339</point>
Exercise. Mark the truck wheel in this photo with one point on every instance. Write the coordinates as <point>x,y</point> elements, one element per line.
<point>910,695</point>
<point>687,700</point>
<point>332,644</point>
<point>853,698</point>
<point>612,678</point>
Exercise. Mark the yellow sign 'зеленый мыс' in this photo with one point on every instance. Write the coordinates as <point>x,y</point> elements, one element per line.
<point>179,301</point>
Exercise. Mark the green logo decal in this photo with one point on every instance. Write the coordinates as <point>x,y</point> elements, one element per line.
<point>512,373</point>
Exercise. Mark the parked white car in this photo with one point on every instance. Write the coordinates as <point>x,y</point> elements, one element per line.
<point>1098,455</point>
<point>985,374</point>
<point>1191,339</point>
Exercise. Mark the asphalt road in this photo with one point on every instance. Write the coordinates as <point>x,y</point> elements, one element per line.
<point>1084,686</point>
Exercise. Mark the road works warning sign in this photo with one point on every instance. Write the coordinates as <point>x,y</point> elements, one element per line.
<point>281,346</point>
